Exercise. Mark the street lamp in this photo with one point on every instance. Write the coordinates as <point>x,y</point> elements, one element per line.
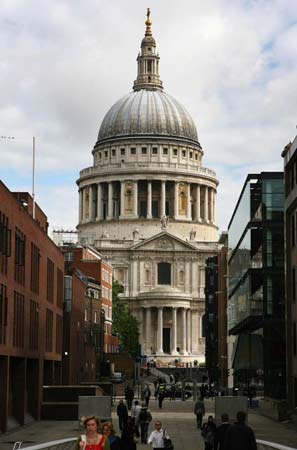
<point>33,165</point>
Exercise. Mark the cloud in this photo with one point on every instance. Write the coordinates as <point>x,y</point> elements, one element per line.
<point>231,63</point>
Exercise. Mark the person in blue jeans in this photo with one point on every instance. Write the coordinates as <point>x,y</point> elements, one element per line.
<point>144,419</point>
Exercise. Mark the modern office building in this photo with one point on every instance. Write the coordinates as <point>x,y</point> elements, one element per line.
<point>256,297</point>
<point>290,166</point>
<point>31,308</point>
<point>211,319</point>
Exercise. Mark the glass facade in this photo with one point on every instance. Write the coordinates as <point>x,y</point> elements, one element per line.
<point>256,273</point>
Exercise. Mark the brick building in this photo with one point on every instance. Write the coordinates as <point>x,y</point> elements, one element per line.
<point>31,302</point>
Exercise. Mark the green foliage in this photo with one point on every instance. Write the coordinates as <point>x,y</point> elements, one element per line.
<point>123,323</point>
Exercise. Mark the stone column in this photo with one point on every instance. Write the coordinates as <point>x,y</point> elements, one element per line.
<point>99,201</point>
<point>176,186</point>
<point>188,331</point>
<point>91,203</point>
<point>149,200</point>
<point>122,206</point>
<point>173,333</point>
<point>184,332</point>
<point>189,212</point>
<point>160,331</point>
<point>214,206</point>
<point>163,198</point>
<point>148,331</point>
<point>135,200</point>
<point>206,204</point>
<point>80,203</point>
<point>84,204</point>
<point>211,204</point>
<point>198,211</point>
<point>110,201</point>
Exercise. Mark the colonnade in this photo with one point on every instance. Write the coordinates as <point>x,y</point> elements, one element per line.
<point>97,202</point>
<point>154,344</point>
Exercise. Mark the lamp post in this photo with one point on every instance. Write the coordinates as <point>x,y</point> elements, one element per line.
<point>33,165</point>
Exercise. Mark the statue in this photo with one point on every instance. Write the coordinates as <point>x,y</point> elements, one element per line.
<point>192,234</point>
<point>164,222</point>
<point>135,234</point>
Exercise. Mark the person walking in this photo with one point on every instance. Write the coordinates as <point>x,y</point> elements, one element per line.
<point>144,419</point>
<point>221,432</point>
<point>161,395</point>
<point>135,411</point>
<point>92,439</point>
<point>208,431</point>
<point>199,411</point>
<point>122,413</point>
<point>147,395</point>
<point>129,436</point>
<point>157,436</point>
<point>109,432</point>
<point>239,435</point>
<point>129,396</point>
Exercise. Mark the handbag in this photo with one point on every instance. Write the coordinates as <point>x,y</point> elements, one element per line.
<point>168,444</point>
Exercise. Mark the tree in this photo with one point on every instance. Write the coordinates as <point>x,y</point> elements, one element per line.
<point>123,323</point>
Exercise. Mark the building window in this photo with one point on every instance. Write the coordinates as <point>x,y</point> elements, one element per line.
<point>34,325</point>
<point>165,151</point>
<point>149,65</point>
<point>143,150</point>
<point>68,256</point>
<point>164,273</point>
<point>105,153</point>
<point>5,243</point>
<point>35,263</point>
<point>3,313</point>
<point>293,285</point>
<point>60,287</point>
<point>191,154</point>
<point>175,152</point>
<point>123,151</point>
<point>19,257</point>
<point>196,156</point>
<point>155,150</point>
<point>50,281</point>
<point>59,333</point>
<point>113,152</point>
<point>100,155</point>
<point>49,319</point>
<point>18,320</point>
<point>184,153</point>
<point>132,151</point>
<point>293,231</point>
<point>294,339</point>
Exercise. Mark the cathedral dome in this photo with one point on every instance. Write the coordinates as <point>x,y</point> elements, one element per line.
<point>150,113</point>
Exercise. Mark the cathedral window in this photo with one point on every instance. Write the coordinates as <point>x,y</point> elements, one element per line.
<point>196,156</point>
<point>175,152</point>
<point>133,151</point>
<point>155,150</point>
<point>191,154</point>
<point>143,150</point>
<point>122,151</point>
<point>164,273</point>
<point>149,66</point>
<point>105,153</point>
<point>184,153</point>
<point>113,152</point>
<point>165,151</point>
<point>100,155</point>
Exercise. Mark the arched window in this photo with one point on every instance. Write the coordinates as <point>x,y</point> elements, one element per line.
<point>164,273</point>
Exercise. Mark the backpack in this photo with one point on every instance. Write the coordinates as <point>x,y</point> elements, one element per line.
<point>143,415</point>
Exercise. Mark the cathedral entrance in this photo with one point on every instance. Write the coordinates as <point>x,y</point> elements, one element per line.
<point>166,340</point>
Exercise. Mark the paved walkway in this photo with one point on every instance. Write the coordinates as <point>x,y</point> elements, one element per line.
<point>177,418</point>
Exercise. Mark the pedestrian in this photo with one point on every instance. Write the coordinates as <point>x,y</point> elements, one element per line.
<point>208,431</point>
<point>129,436</point>
<point>109,432</point>
<point>129,396</point>
<point>172,392</point>
<point>144,419</point>
<point>161,395</point>
<point>92,439</point>
<point>199,411</point>
<point>135,411</point>
<point>147,395</point>
<point>157,436</point>
<point>122,413</point>
<point>239,435</point>
<point>221,432</point>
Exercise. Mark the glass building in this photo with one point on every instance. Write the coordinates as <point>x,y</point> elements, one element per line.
<point>256,299</point>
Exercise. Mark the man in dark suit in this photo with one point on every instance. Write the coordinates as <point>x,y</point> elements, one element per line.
<point>239,436</point>
<point>221,432</point>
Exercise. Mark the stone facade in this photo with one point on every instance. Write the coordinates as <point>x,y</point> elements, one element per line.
<point>148,205</point>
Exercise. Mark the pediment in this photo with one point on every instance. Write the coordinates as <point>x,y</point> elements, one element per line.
<point>164,242</point>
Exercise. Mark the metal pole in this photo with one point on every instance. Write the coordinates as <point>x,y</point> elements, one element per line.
<point>33,178</point>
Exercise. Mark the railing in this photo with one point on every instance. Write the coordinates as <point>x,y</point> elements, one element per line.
<point>62,444</point>
<point>265,445</point>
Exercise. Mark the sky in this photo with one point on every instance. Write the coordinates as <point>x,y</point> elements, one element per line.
<point>231,63</point>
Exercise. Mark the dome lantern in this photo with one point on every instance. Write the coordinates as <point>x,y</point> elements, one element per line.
<point>148,62</point>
